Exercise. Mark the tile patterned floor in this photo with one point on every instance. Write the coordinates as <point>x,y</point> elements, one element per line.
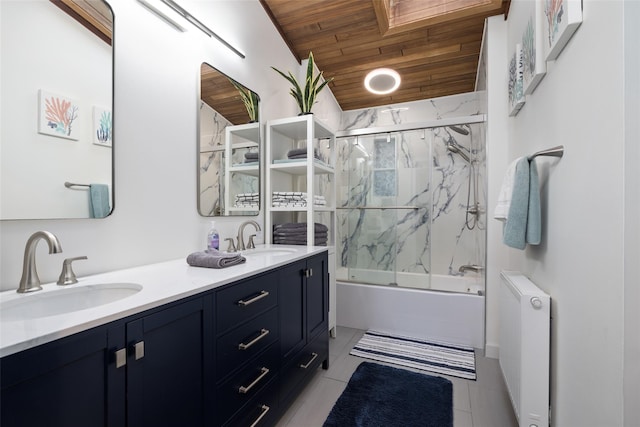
<point>481,403</point>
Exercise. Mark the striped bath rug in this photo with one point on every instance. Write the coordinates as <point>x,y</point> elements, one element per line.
<point>431,356</point>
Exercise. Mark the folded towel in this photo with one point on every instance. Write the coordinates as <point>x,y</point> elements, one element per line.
<point>297,152</point>
<point>99,201</point>
<point>515,228</point>
<point>296,225</point>
<point>501,212</point>
<point>534,222</point>
<point>212,258</point>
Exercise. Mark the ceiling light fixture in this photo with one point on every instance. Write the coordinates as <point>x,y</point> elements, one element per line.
<point>382,81</point>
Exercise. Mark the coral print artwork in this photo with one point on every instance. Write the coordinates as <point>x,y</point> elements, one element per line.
<point>562,19</point>
<point>102,127</point>
<point>58,115</point>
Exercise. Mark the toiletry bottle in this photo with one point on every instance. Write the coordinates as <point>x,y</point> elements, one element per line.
<point>213,238</point>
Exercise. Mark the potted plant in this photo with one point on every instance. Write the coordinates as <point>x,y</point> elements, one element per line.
<point>312,87</point>
<point>250,100</point>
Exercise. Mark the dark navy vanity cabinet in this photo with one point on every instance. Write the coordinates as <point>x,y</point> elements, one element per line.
<point>236,355</point>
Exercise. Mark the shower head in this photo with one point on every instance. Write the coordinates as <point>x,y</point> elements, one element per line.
<point>454,148</point>
<point>458,129</point>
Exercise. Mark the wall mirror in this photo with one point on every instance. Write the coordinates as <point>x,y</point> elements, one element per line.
<point>229,146</point>
<point>56,109</point>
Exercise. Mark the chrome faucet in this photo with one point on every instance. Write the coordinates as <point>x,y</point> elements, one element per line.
<point>30,281</point>
<point>240,245</point>
<point>470,267</point>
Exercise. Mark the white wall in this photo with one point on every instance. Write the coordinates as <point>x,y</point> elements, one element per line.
<point>497,161</point>
<point>631,213</point>
<point>155,138</point>
<point>579,263</point>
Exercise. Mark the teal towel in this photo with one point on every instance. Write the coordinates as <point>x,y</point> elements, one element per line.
<point>534,228</point>
<point>515,228</point>
<point>523,223</point>
<point>99,201</point>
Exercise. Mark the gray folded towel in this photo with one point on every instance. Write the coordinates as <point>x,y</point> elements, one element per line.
<point>300,225</point>
<point>214,259</point>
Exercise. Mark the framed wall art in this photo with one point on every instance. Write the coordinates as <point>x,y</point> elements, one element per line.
<point>561,19</point>
<point>57,115</point>
<point>102,126</point>
<point>533,60</point>
<point>516,90</point>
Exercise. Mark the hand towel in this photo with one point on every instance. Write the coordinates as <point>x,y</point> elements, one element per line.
<point>534,221</point>
<point>99,201</point>
<point>515,228</point>
<point>212,258</point>
<point>501,212</point>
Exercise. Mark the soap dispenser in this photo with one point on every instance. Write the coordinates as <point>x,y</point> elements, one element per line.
<point>213,238</point>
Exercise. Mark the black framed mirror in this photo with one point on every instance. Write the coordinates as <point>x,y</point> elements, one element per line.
<point>56,109</point>
<point>228,146</point>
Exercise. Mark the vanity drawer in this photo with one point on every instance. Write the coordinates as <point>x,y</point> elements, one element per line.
<point>241,302</point>
<point>261,411</point>
<point>247,383</point>
<point>303,365</point>
<point>241,344</point>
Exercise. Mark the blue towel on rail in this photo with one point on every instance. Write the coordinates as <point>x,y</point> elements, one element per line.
<point>534,222</point>
<point>99,201</point>
<point>523,223</point>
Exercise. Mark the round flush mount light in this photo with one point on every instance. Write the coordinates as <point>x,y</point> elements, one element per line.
<point>382,81</point>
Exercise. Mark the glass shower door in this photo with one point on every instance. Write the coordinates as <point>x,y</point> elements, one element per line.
<point>383,214</point>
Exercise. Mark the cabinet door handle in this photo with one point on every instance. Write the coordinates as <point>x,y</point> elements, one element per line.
<point>264,409</point>
<point>258,297</point>
<point>138,349</point>
<point>245,390</point>
<point>306,365</point>
<point>263,333</point>
<point>121,357</point>
<point>308,272</point>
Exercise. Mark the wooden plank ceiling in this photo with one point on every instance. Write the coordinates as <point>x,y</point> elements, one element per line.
<point>433,44</point>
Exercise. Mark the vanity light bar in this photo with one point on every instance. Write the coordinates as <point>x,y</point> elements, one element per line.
<point>195,22</point>
<point>154,7</point>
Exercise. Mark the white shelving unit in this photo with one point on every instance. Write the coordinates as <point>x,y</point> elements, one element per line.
<point>238,139</point>
<point>309,175</point>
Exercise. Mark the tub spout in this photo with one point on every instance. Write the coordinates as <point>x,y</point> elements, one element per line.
<point>471,267</point>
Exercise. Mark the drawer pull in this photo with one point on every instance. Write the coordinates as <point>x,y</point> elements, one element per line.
<point>245,390</point>
<point>258,297</point>
<point>263,333</point>
<point>306,365</point>
<point>121,357</point>
<point>264,409</point>
<point>138,349</point>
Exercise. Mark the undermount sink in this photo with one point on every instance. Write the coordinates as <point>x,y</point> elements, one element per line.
<point>67,300</point>
<point>269,251</point>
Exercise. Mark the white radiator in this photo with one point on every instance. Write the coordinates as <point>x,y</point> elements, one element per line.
<point>525,315</point>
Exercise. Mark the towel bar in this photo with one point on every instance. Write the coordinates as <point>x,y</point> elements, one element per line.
<point>71,184</point>
<point>553,152</point>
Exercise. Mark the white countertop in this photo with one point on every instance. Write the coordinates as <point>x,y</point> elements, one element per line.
<point>162,283</point>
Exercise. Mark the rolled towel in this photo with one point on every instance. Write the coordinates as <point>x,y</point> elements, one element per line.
<point>212,258</point>
<point>251,155</point>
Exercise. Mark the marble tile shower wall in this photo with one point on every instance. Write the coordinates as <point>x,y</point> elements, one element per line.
<point>432,238</point>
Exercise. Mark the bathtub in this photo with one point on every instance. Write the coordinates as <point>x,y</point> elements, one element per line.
<point>455,316</point>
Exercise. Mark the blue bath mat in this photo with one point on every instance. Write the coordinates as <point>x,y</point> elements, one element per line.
<point>382,396</point>
<point>441,358</point>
